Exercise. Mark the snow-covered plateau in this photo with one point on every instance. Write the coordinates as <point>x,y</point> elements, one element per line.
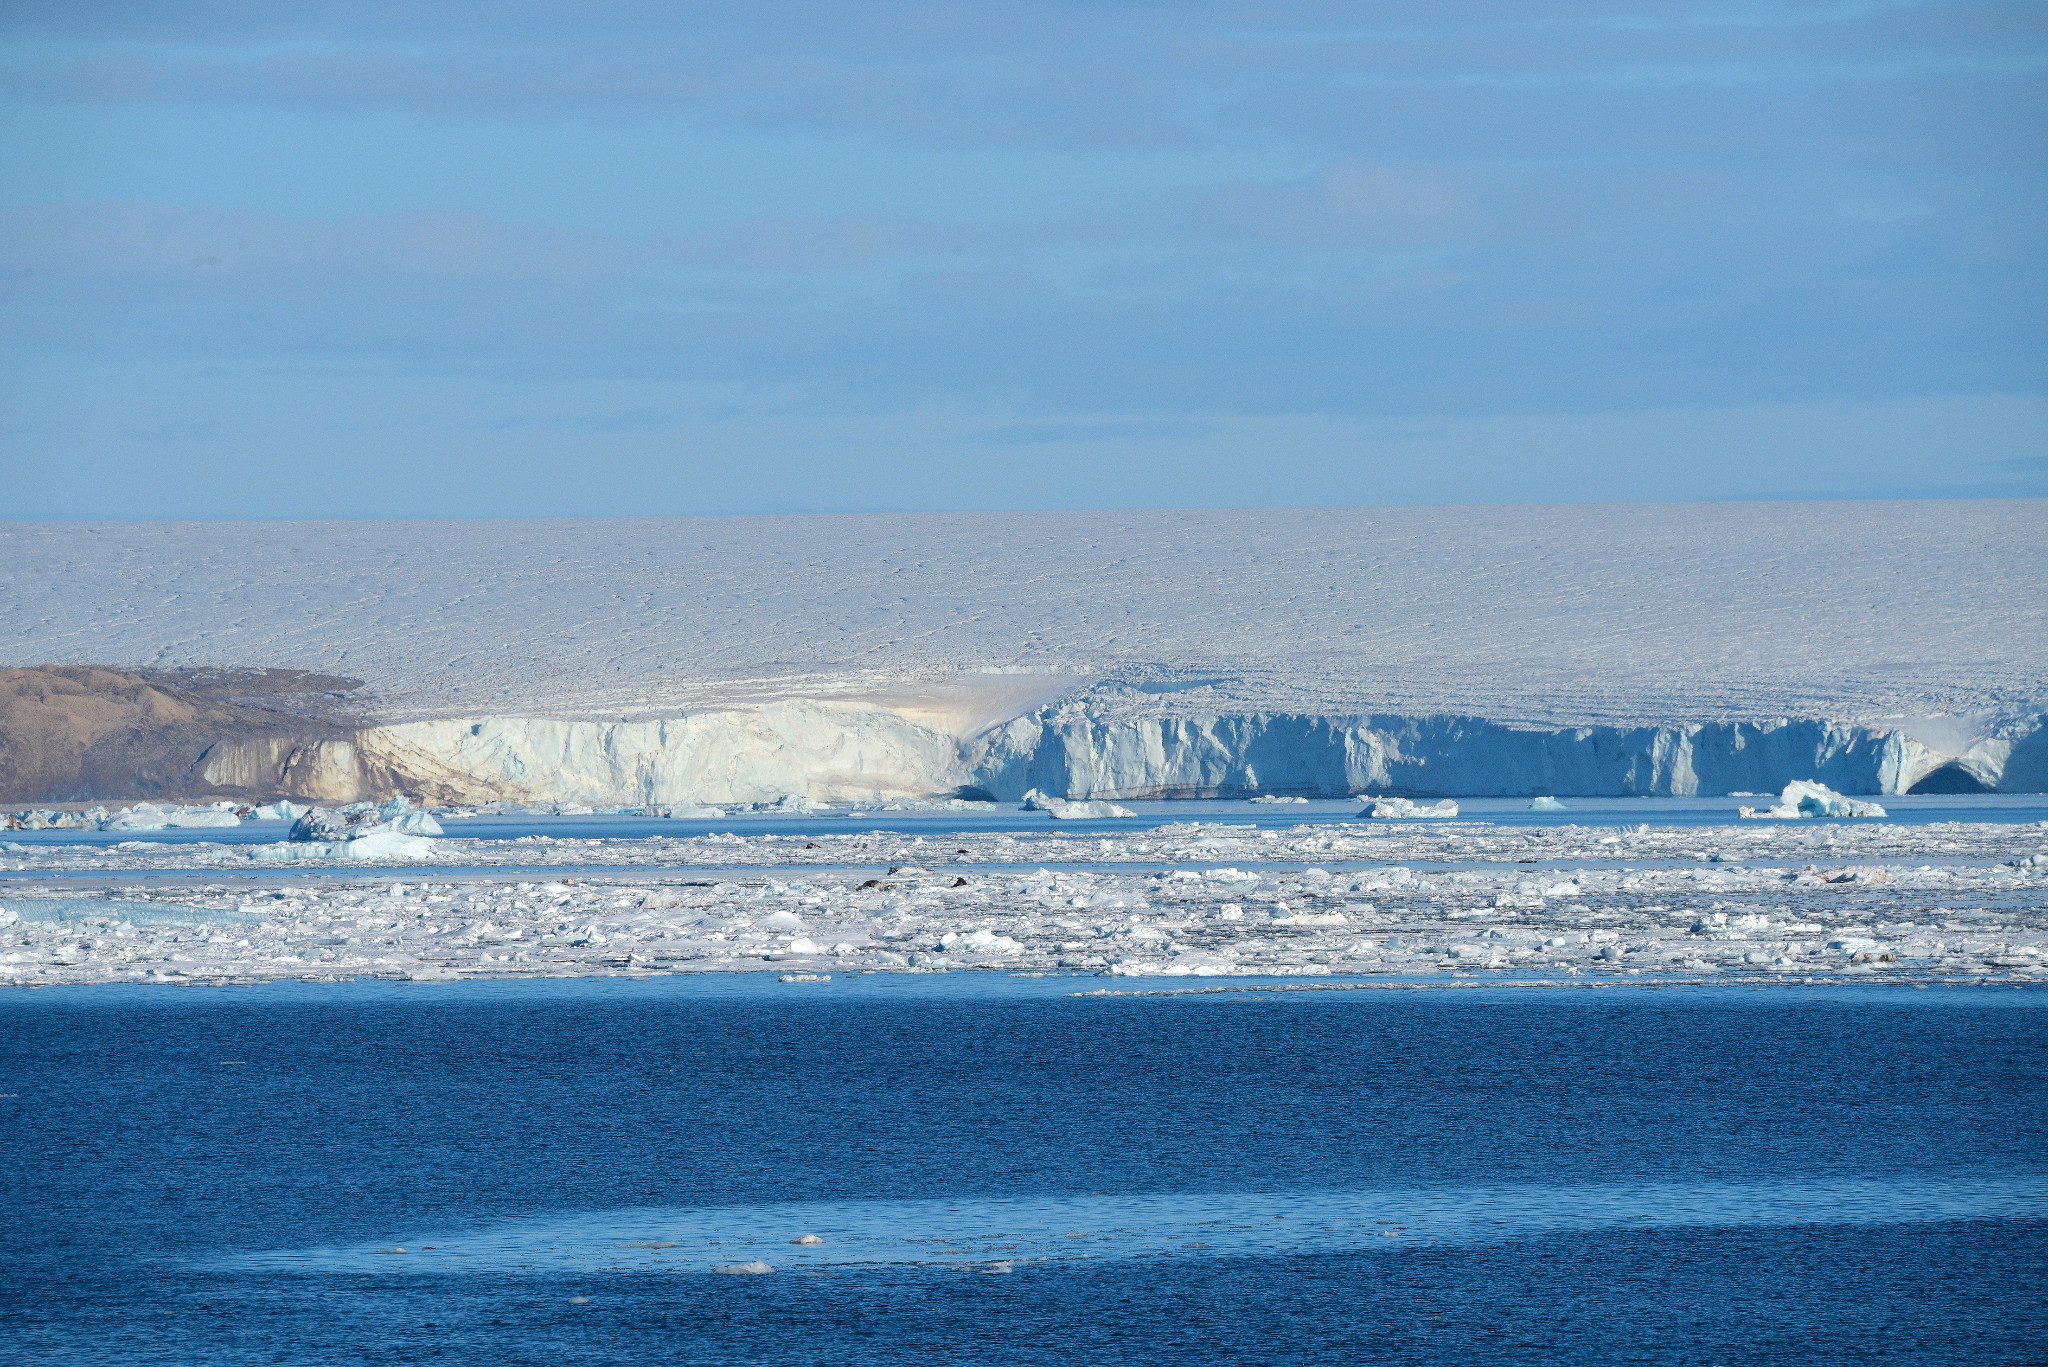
<point>1427,653</point>
<point>1412,900</point>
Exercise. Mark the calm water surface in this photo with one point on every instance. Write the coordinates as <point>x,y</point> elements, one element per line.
<point>1004,1172</point>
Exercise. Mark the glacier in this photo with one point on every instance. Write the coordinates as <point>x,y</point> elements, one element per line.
<point>728,662</point>
<point>841,753</point>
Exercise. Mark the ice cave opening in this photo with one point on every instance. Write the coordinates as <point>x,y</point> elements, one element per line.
<point>1951,778</point>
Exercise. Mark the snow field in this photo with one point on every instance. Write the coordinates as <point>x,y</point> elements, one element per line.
<point>1550,615</point>
<point>1924,903</point>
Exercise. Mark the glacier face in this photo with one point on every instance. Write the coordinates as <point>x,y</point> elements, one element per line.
<point>845,753</point>
<point>1428,652</point>
<point>1070,750</point>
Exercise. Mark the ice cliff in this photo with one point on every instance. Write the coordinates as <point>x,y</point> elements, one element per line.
<point>845,753</point>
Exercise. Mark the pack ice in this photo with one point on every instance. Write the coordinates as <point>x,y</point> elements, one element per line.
<point>1417,654</point>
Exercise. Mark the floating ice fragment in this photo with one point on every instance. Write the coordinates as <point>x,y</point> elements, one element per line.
<point>148,816</point>
<point>756,1268</point>
<point>1060,809</point>
<point>1545,804</point>
<point>1804,799</point>
<point>1401,808</point>
<point>807,1239</point>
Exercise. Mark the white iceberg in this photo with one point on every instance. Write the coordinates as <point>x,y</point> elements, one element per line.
<point>397,830</point>
<point>148,816</point>
<point>400,815</point>
<point>1402,809</point>
<point>1276,799</point>
<point>352,823</point>
<point>1061,809</point>
<point>386,842</point>
<point>1803,799</point>
<point>756,1268</point>
<point>1545,804</point>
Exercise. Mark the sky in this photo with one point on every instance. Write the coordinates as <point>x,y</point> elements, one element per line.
<point>278,260</point>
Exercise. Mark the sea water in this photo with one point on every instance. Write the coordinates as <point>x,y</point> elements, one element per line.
<point>998,1169</point>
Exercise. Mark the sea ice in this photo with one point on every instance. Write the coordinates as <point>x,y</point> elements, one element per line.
<point>1804,799</point>
<point>755,1268</point>
<point>1545,804</point>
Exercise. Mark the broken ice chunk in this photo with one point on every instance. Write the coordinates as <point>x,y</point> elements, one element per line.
<point>1401,808</point>
<point>1804,799</point>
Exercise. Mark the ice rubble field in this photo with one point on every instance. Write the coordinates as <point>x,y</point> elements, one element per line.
<point>1406,902</point>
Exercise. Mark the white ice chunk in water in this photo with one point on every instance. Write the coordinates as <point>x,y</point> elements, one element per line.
<point>1061,809</point>
<point>1803,799</point>
<point>1401,808</point>
<point>148,816</point>
<point>1545,804</point>
<point>756,1268</point>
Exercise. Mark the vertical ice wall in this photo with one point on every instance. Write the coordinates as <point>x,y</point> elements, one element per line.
<point>843,752</point>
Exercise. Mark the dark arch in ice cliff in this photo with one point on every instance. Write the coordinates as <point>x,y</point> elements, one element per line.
<point>1951,778</point>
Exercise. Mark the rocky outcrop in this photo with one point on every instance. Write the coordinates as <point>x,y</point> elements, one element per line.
<point>77,733</point>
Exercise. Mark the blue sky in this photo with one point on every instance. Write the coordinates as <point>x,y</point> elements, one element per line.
<point>277,260</point>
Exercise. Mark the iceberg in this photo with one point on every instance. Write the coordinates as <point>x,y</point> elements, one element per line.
<point>376,842</point>
<point>148,816</point>
<point>1545,804</point>
<point>396,830</point>
<point>1402,809</point>
<point>397,817</point>
<point>1063,809</point>
<point>1807,799</point>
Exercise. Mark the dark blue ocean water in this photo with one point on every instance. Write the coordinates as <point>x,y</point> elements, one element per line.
<point>1004,1172</point>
